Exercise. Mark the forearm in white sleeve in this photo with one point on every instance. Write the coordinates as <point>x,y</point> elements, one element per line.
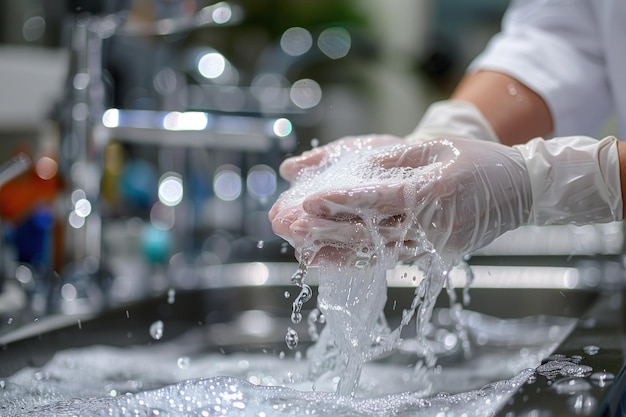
<point>574,180</point>
<point>452,118</point>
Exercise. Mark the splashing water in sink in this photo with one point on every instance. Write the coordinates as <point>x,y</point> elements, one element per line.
<point>352,296</point>
<point>180,378</point>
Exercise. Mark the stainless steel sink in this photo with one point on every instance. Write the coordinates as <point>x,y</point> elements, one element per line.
<point>580,287</point>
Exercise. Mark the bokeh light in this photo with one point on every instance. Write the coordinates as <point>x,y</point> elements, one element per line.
<point>33,29</point>
<point>269,88</point>
<point>335,42</point>
<point>185,121</point>
<point>212,65</point>
<point>82,207</point>
<point>227,184</point>
<point>261,181</point>
<point>296,41</point>
<point>162,217</point>
<point>170,191</point>
<point>282,127</point>
<point>222,13</point>
<point>111,118</point>
<point>305,93</point>
<point>46,168</point>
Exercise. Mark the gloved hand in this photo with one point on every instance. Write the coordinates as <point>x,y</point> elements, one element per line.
<point>472,192</point>
<point>469,193</point>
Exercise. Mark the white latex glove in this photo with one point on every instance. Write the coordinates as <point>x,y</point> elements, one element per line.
<point>473,192</point>
<point>454,119</point>
<point>575,180</point>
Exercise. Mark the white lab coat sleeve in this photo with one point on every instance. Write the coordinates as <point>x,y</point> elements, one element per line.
<point>554,47</point>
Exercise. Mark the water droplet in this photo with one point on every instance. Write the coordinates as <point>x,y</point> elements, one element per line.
<point>602,378</point>
<point>303,297</point>
<point>156,330</point>
<point>283,247</point>
<point>315,143</point>
<point>260,244</point>
<point>183,362</point>
<point>10,320</point>
<point>299,275</point>
<point>305,293</point>
<point>171,296</point>
<point>2,383</point>
<point>291,338</point>
<point>296,317</point>
<point>571,386</point>
<point>362,263</point>
<point>591,350</point>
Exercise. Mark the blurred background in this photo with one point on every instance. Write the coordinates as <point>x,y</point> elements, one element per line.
<point>141,138</point>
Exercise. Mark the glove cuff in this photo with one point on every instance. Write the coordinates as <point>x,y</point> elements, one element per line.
<point>452,118</point>
<point>574,180</point>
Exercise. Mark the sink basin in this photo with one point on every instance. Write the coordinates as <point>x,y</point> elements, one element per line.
<point>507,289</point>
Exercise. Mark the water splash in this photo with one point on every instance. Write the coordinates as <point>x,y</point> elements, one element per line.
<point>292,338</point>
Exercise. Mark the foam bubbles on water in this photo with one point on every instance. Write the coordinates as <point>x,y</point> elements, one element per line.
<point>236,398</point>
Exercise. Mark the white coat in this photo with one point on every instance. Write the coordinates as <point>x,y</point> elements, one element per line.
<point>572,53</point>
